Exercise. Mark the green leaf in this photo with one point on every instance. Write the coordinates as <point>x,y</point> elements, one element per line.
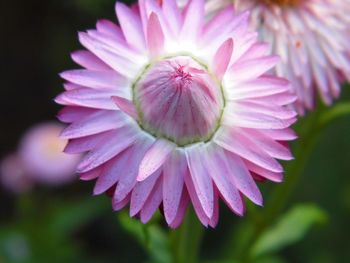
<point>291,228</point>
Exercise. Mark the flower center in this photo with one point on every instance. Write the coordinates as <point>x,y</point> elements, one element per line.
<point>177,98</point>
<point>282,2</point>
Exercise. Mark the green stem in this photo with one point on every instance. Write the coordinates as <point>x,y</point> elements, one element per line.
<point>187,239</point>
<point>280,196</point>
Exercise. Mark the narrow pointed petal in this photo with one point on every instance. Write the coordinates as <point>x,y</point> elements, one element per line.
<point>141,192</point>
<point>173,171</point>
<point>155,158</point>
<point>201,179</point>
<point>236,143</point>
<point>131,26</point>
<point>95,79</point>
<point>193,20</point>
<point>124,137</point>
<point>89,98</point>
<point>195,200</point>
<point>215,217</point>
<point>97,122</point>
<point>70,114</point>
<point>253,68</point>
<point>155,36</point>
<point>181,211</point>
<point>222,57</point>
<point>126,106</point>
<point>218,168</point>
<point>130,164</point>
<point>153,202</point>
<point>87,143</point>
<point>243,179</point>
<point>88,60</point>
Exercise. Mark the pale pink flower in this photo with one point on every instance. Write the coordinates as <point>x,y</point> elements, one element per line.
<point>42,156</point>
<point>311,36</point>
<point>173,109</point>
<point>13,176</point>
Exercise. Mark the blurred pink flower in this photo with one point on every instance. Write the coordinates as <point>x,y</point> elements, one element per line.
<point>13,176</point>
<point>311,36</point>
<point>41,152</point>
<point>172,108</point>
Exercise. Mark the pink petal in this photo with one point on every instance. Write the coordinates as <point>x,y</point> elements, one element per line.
<point>181,211</point>
<point>88,60</point>
<point>131,26</point>
<point>126,106</point>
<point>120,205</point>
<point>90,175</point>
<point>222,57</point>
<point>120,64</point>
<point>108,177</point>
<point>155,158</point>
<point>97,122</point>
<point>218,168</point>
<point>252,68</point>
<point>109,28</point>
<point>88,143</point>
<point>268,145</point>
<point>195,201</point>
<point>242,146</point>
<point>174,170</point>
<point>155,36</point>
<point>243,179</point>
<point>90,98</point>
<point>193,20</point>
<point>95,79</point>
<point>201,179</point>
<point>70,114</point>
<point>215,218</point>
<point>123,138</point>
<point>275,177</point>
<point>130,167</point>
<point>153,202</point>
<point>173,14</point>
<point>141,192</point>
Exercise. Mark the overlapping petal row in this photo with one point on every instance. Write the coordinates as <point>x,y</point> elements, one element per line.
<point>311,36</point>
<point>107,102</point>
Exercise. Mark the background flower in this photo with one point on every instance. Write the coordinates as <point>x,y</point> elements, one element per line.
<point>42,156</point>
<point>311,36</point>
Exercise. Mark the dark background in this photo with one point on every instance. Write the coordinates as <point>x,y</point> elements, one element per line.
<point>35,42</point>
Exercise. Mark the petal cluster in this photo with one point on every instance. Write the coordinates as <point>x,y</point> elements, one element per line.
<point>311,36</point>
<point>106,103</point>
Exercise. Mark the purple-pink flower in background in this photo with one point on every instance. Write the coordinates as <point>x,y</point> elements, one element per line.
<point>311,36</point>
<point>13,175</point>
<point>173,109</point>
<point>42,157</point>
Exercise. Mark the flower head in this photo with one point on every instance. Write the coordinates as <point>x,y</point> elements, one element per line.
<point>311,36</point>
<point>42,157</point>
<point>173,109</point>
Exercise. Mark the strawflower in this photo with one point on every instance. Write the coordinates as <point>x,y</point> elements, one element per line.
<point>173,109</point>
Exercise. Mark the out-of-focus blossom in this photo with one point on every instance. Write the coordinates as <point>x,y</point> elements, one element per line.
<point>311,36</point>
<point>42,156</point>
<point>173,109</point>
<point>13,175</point>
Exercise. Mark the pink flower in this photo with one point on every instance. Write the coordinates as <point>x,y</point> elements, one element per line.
<point>42,157</point>
<point>173,109</point>
<point>13,175</point>
<point>311,36</point>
